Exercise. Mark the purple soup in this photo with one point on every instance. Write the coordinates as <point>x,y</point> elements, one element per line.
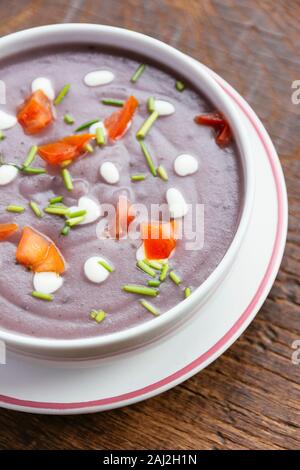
<point>206,173</point>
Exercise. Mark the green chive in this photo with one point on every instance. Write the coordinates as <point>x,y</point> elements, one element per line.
<point>176,279</point>
<point>65,231</point>
<point>86,125</point>
<point>146,126</point>
<point>33,171</point>
<point>151,104</point>
<point>56,210</point>
<point>164,272</point>
<point>187,292</point>
<point>98,315</point>
<point>61,95</point>
<point>67,179</point>
<point>89,148</point>
<point>79,213</point>
<point>113,102</point>
<point>149,307</point>
<point>69,119</point>
<point>106,266</point>
<point>41,295</point>
<point>30,156</point>
<point>16,209</point>
<point>154,264</point>
<point>2,136</point>
<point>55,199</point>
<point>100,137</point>
<point>65,163</point>
<point>75,221</point>
<point>148,158</point>
<point>180,86</point>
<point>35,208</point>
<point>162,173</point>
<point>138,73</point>
<point>147,269</point>
<point>138,177</point>
<point>141,290</point>
<point>153,283</point>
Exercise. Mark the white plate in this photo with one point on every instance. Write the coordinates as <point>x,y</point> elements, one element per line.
<point>128,378</point>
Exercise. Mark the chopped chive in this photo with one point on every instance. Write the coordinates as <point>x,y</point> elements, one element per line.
<point>61,95</point>
<point>69,119</point>
<point>180,86</point>
<point>164,272</point>
<point>154,264</point>
<point>33,171</point>
<point>187,292</point>
<point>138,177</point>
<point>2,136</point>
<point>113,102</point>
<point>89,148</point>
<point>30,156</point>
<point>75,221</point>
<point>106,265</point>
<point>176,279</point>
<point>56,210</point>
<point>56,199</point>
<point>100,137</point>
<point>149,307</point>
<point>72,215</point>
<point>146,126</point>
<point>41,295</point>
<point>86,125</point>
<point>67,179</point>
<point>98,315</point>
<point>148,158</point>
<point>153,283</point>
<point>162,173</point>
<point>142,290</point>
<point>147,269</point>
<point>138,73</point>
<point>65,231</point>
<point>35,208</point>
<point>151,104</point>
<point>65,163</point>
<point>16,209</point>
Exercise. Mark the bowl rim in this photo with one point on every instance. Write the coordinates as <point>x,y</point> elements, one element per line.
<point>112,33</point>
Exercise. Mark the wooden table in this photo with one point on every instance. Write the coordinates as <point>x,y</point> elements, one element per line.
<point>250,397</point>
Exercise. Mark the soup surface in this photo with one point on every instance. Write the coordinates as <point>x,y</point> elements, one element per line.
<point>206,174</point>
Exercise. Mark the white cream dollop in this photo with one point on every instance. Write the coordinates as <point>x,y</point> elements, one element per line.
<point>7,120</point>
<point>7,174</point>
<point>164,108</point>
<point>98,78</point>
<point>92,208</point>
<point>109,172</point>
<point>177,205</point>
<point>94,271</point>
<point>47,282</point>
<point>185,164</point>
<point>44,84</point>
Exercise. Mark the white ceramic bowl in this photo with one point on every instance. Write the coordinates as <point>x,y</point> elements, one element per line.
<point>96,347</point>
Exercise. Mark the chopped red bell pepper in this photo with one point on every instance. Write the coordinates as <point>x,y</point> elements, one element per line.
<point>123,218</point>
<point>65,149</point>
<point>218,122</point>
<point>6,230</point>
<point>38,253</point>
<point>36,113</point>
<point>117,123</point>
<point>159,239</point>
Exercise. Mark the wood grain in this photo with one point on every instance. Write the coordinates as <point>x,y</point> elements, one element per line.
<point>250,397</point>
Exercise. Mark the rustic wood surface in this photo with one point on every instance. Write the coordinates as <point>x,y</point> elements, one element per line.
<point>250,397</point>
